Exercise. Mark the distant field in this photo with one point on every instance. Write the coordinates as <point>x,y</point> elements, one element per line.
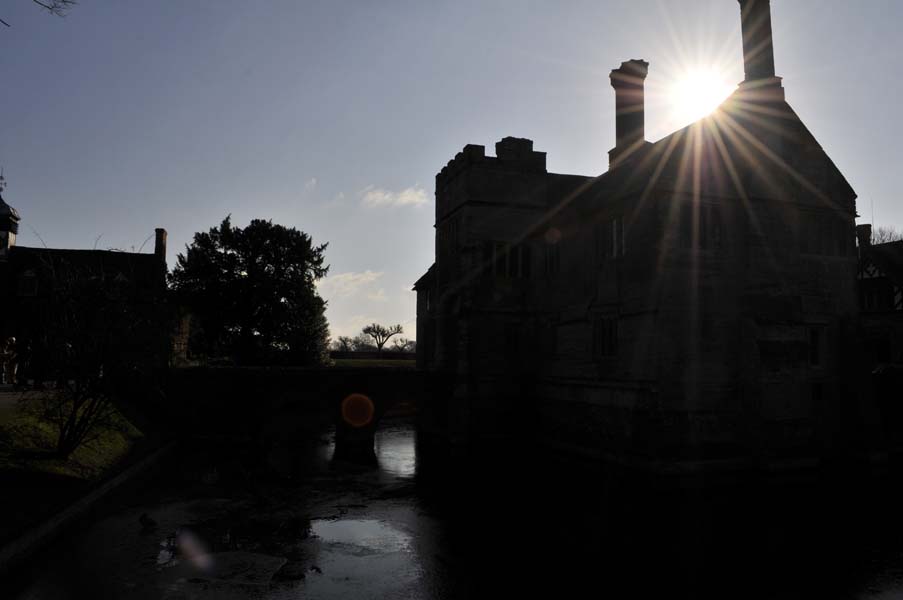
<point>374,362</point>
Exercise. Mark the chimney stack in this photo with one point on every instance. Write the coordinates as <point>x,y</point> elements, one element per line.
<point>758,48</point>
<point>160,255</point>
<point>864,235</point>
<point>160,244</point>
<point>629,82</point>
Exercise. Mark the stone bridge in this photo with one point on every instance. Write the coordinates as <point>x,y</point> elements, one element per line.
<point>295,404</point>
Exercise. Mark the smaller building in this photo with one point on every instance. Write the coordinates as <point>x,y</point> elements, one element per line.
<point>881,298</point>
<point>880,279</point>
<point>34,283</point>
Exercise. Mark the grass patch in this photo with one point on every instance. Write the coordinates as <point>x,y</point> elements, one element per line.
<point>373,362</point>
<point>27,443</point>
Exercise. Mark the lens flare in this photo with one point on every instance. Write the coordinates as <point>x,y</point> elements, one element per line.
<point>357,410</point>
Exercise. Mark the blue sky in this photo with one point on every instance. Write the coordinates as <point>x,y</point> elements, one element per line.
<point>335,116</point>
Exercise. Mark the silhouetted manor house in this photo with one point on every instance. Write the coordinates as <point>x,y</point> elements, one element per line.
<point>31,280</point>
<point>696,304</point>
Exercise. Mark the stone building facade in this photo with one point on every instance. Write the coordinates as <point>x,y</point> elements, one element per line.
<point>696,304</point>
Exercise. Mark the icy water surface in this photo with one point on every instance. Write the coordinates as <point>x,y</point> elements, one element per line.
<point>249,521</point>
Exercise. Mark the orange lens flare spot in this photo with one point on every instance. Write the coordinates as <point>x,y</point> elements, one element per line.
<point>358,410</point>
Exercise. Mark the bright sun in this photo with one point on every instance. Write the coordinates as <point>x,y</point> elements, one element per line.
<point>697,93</point>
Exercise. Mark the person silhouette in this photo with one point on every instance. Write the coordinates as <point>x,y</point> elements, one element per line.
<point>10,361</point>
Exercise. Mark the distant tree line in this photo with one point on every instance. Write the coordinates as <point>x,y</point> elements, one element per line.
<point>883,235</point>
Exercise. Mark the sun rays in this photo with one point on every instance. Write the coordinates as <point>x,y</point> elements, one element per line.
<point>697,92</point>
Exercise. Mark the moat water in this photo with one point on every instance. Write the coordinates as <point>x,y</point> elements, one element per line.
<point>241,521</point>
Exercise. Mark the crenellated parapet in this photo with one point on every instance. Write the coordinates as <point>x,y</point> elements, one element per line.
<point>471,154</point>
<point>511,154</point>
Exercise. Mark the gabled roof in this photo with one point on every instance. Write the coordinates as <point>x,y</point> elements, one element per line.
<point>143,270</point>
<point>754,144</point>
<point>426,280</point>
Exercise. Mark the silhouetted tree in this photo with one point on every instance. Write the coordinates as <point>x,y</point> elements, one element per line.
<point>381,334</point>
<point>253,292</point>
<point>882,235</point>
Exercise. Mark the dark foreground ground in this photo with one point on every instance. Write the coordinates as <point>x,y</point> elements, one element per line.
<point>244,521</point>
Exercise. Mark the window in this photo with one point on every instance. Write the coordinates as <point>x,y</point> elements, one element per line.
<point>488,254</point>
<point>701,228</point>
<point>824,235</point>
<point>610,242</point>
<point>502,260</point>
<point>715,229</point>
<point>817,393</point>
<point>511,335</point>
<point>618,246</point>
<point>514,262</point>
<point>28,284</point>
<point>815,346</point>
<point>605,337</point>
<point>686,228</point>
<point>552,259</point>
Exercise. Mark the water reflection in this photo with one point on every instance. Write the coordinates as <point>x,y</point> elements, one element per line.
<point>362,558</point>
<point>367,534</point>
<point>395,451</point>
<point>531,523</point>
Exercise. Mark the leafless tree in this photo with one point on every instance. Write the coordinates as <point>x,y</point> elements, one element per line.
<point>95,343</point>
<point>883,235</point>
<point>381,334</point>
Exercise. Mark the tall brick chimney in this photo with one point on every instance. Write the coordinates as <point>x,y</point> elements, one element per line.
<point>160,256</point>
<point>629,82</point>
<point>758,47</point>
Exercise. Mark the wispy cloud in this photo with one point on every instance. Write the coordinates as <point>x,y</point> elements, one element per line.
<point>353,324</point>
<point>344,285</point>
<point>378,296</point>
<point>310,184</point>
<point>376,197</point>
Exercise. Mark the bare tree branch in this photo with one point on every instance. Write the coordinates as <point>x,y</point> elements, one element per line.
<point>56,7</point>
<point>883,235</point>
